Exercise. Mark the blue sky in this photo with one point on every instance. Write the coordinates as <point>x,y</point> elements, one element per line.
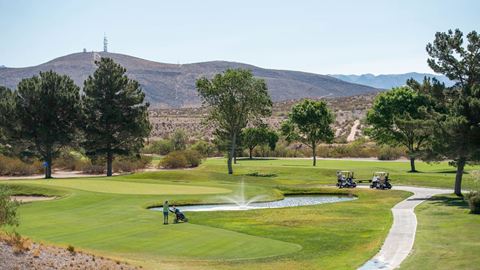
<point>326,37</point>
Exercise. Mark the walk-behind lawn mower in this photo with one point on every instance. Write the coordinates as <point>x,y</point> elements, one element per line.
<point>345,179</point>
<point>380,181</point>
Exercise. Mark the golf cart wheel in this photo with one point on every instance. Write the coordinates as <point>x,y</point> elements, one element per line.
<point>185,220</point>
<point>175,221</point>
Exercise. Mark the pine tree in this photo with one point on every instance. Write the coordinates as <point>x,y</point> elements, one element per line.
<point>458,134</point>
<point>116,116</point>
<point>47,115</point>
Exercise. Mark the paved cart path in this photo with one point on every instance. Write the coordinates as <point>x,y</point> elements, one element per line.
<point>400,239</point>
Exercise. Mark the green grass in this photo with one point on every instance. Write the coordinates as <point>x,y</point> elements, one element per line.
<point>109,216</point>
<point>106,186</point>
<point>447,236</point>
<point>301,171</point>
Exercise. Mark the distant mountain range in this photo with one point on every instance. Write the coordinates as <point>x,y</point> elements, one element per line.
<point>173,85</point>
<point>387,81</point>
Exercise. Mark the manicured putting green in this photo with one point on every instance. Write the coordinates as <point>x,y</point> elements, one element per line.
<point>116,187</point>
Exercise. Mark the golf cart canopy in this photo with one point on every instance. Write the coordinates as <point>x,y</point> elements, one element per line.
<point>346,173</point>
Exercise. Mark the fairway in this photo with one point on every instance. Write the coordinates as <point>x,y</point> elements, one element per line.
<point>110,216</point>
<point>124,187</point>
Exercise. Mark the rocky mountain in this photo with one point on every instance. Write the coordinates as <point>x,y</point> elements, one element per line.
<point>387,81</point>
<point>173,85</point>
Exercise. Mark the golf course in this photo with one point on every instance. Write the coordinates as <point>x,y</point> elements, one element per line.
<point>111,216</point>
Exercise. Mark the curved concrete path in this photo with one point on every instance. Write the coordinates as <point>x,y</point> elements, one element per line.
<point>400,239</point>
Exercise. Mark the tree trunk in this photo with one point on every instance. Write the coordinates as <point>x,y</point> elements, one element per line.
<point>109,163</point>
<point>232,153</point>
<point>251,150</point>
<point>48,168</point>
<point>458,178</point>
<point>314,152</point>
<point>412,165</point>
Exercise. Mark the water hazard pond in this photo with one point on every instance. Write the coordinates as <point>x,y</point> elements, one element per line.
<point>288,201</point>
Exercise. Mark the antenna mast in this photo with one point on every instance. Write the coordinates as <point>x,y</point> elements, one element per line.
<point>105,43</point>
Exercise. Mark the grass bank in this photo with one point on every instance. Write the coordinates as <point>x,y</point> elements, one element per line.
<point>447,236</point>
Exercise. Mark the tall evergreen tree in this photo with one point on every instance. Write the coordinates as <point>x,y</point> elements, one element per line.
<point>458,133</point>
<point>235,98</point>
<point>7,107</point>
<point>116,116</point>
<point>47,115</point>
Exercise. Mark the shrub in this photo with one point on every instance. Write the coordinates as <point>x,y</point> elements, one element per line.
<point>257,174</point>
<point>19,244</point>
<point>174,160</point>
<point>473,199</point>
<point>181,159</point>
<point>390,153</point>
<point>93,169</point>
<point>131,164</point>
<point>179,140</point>
<point>16,167</point>
<point>71,249</point>
<point>161,147</point>
<point>71,160</point>
<point>8,208</point>
<point>193,158</point>
<point>124,165</point>
<point>206,149</point>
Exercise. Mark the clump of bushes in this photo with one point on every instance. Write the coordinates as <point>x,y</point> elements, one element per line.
<point>257,174</point>
<point>93,169</point>
<point>473,198</point>
<point>358,149</point>
<point>177,142</point>
<point>16,167</point>
<point>8,216</point>
<point>71,249</point>
<point>390,153</point>
<point>20,244</point>
<point>181,159</point>
<point>161,147</point>
<point>8,208</point>
<point>131,164</point>
<point>71,160</point>
<point>97,165</point>
<point>206,149</point>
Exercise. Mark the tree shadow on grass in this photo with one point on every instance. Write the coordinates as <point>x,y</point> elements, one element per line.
<point>449,201</point>
<point>450,171</point>
<point>255,159</point>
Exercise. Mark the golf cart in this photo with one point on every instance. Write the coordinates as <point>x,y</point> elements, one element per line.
<point>345,179</point>
<point>380,181</point>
